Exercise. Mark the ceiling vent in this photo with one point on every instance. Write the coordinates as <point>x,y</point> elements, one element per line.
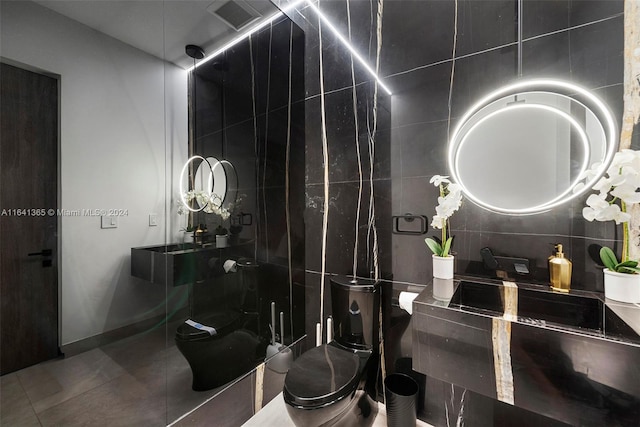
<point>235,13</point>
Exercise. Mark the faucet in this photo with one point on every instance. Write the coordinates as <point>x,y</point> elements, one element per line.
<point>504,265</point>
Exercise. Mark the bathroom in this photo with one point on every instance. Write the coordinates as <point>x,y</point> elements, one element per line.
<point>125,149</point>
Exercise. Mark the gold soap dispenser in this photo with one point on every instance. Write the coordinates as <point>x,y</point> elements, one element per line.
<point>560,271</point>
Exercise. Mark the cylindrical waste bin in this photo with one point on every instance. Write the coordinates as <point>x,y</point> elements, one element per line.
<point>400,397</point>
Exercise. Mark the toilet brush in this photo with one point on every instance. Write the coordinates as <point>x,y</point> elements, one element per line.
<point>281,329</point>
<point>274,346</point>
<point>279,357</point>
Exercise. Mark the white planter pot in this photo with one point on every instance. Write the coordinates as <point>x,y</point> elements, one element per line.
<point>222,241</point>
<point>622,287</point>
<point>442,289</point>
<point>443,267</point>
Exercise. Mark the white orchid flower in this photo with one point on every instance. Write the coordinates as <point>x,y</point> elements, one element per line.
<point>597,201</point>
<point>578,187</point>
<point>603,185</point>
<point>633,180</point>
<point>608,213</point>
<point>628,173</point>
<point>438,222</point>
<point>621,182</point>
<point>449,202</point>
<point>437,180</point>
<point>589,213</point>
<point>589,174</point>
<point>623,157</point>
<point>627,193</point>
<point>445,210</point>
<point>615,214</point>
<point>454,188</point>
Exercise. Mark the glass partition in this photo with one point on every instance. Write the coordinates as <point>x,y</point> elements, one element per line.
<point>143,292</point>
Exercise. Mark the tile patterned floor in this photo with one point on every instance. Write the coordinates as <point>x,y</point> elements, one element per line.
<point>139,381</point>
<point>275,414</point>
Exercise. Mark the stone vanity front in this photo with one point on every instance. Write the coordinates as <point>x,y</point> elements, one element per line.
<point>571,357</point>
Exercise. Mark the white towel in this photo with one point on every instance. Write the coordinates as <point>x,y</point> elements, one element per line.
<point>212,331</point>
<point>405,300</point>
<point>230,266</point>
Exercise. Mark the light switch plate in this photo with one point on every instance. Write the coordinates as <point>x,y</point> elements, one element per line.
<point>108,221</point>
<point>153,219</point>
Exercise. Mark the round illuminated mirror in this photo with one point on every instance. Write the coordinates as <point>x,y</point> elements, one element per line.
<point>206,182</point>
<point>196,183</point>
<point>217,180</point>
<point>522,149</point>
<point>231,183</point>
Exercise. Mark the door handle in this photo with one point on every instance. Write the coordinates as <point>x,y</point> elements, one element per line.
<point>45,252</point>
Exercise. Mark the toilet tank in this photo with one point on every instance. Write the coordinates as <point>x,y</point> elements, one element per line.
<point>355,307</point>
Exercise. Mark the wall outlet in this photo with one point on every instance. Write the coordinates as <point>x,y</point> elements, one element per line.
<point>153,220</point>
<point>108,221</point>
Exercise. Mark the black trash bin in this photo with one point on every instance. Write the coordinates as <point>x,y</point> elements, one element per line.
<point>401,392</point>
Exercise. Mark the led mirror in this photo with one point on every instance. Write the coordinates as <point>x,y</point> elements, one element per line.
<point>196,188</point>
<point>225,168</point>
<point>209,184</point>
<point>217,179</point>
<point>522,149</point>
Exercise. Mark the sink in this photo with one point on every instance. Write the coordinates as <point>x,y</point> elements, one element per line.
<point>541,306</point>
<point>570,357</point>
<point>177,264</point>
<point>179,248</point>
<point>170,248</point>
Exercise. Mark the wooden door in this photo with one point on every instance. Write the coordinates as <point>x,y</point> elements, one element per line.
<point>28,221</point>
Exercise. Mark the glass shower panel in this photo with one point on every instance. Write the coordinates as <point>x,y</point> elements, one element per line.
<point>116,91</point>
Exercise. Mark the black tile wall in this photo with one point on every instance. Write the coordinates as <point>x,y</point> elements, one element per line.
<point>545,16</point>
<point>578,41</point>
<point>247,111</point>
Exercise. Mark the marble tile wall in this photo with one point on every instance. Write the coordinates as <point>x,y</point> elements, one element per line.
<point>249,109</point>
<point>578,41</point>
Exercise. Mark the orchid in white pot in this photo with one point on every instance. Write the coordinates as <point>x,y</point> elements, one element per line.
<point>211,202</point>
<point>449,202</point>
<point>617,191</point>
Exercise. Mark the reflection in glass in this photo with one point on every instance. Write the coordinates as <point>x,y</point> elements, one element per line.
<point>124,99</point>
<point>247,123</point>
<point>196,191</point>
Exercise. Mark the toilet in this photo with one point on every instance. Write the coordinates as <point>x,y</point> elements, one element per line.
<point>218,345</point>
<point>219,358</point>
<point>335,384</point>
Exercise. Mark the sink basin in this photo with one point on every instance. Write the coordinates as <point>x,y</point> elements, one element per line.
<point>179,248</point>
<point>570,357</point>
<point>177,264</point>
<point>170,248</point>
<point>543,307</point>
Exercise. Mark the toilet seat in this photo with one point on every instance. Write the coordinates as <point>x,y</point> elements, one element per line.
<point>223,322</point>
<point>335,374</point>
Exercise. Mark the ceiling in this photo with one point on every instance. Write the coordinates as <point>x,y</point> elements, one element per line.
<point>161,28</point>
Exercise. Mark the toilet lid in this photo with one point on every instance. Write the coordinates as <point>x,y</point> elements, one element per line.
<point>321,375</point>
<point>223,322</point>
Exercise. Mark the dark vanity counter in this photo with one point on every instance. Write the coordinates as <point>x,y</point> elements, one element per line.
<point>180,263</point>
<point>571,357</point>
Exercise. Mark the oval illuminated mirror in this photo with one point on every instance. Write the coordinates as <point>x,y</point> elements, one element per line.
<point>522,149</point>
<point>196,183</point>
<point>211,184</point>
<point>231,183</point>
<point>217,180</point>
